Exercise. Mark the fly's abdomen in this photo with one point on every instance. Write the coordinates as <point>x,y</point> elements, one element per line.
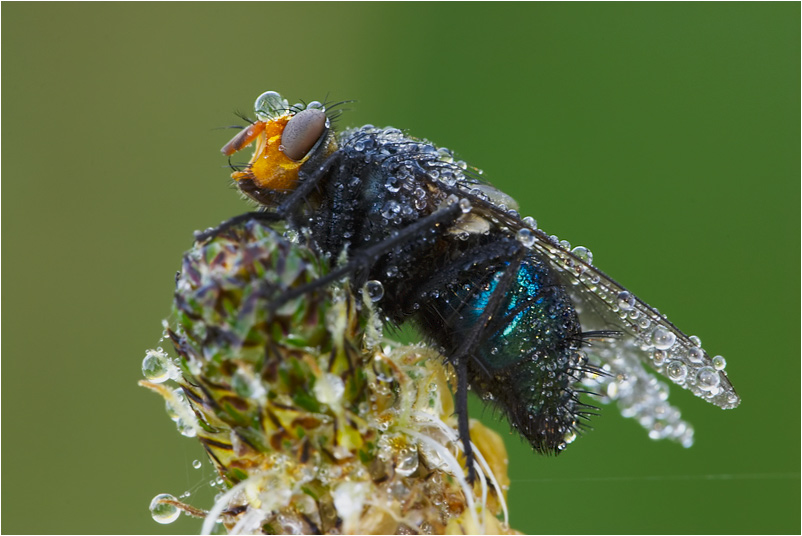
<point>527,360</point>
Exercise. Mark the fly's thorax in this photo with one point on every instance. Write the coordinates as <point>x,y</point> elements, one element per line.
<point>376,188</point>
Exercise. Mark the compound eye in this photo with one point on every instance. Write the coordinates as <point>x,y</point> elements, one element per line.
<point>302,132</point>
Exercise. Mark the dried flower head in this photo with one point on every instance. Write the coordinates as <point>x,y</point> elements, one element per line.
<point>314,422</point>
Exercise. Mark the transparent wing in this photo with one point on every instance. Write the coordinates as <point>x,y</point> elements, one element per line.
<point>647,336</point>
<point>602,303</point>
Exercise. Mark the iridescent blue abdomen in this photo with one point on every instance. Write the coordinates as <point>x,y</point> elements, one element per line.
<point>535,318</point>
<point>527,359</point>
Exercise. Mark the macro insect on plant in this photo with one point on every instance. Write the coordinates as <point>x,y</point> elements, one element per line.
<point>520,316</point>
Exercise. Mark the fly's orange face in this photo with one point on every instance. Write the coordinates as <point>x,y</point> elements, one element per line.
<point>284,140</point>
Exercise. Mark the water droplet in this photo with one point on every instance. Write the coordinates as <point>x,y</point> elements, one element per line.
<point>444,155</point>
<point>525,237</point>
<point>663,339</point>
<point>390,209</point>
<point>497,197</point>
<point>677,371</point>
<point>530,222</point>
<point>349,498</point>
<point>269,105</point>
<point>707,378</point>
<point>583,254</point>
<point>163,512</point>
<point>465,205</point>
<point>406,462</point>
<point>196,464</point>
<point>392,184</point>
<point>696,355</point>
<point>185,429</point>
<point>626,301</point>
<point>719,362</point>
<point>659,357</point>
<point>696,340</point>
<point>375,290</point>
<point>155,366</point>
<point>329,389</point>
<point>171,412</point>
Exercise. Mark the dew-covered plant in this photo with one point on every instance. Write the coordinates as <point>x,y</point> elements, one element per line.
<point>313,421</point>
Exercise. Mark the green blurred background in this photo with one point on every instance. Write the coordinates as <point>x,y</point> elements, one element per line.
<point>664,136</point>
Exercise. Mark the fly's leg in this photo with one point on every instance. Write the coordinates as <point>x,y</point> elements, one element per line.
<point>508,252</point>
<point>269,217</point>
<point>308,181</point>
<point>464,352</point>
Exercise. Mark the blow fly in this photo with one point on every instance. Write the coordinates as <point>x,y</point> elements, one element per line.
<point>521,316</point>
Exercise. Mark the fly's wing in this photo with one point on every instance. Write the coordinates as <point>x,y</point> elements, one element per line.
<point>604,304</point>
<point>646,335</point>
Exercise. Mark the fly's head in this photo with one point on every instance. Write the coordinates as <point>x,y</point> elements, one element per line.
<point>285,138</point>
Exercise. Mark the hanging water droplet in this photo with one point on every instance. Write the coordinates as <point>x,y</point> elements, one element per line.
<point>719,362</point>
<point>659,357</point>
<point>525,237</point>
<point>677,371</point>
<point>696,355</point>
<point>626,301</point>
<point>375,290</point>
<point>185,429</point>
<point>707,378</point>
<point>155,366</point>
<point>196,464</point>
<point>663,339</point>
<point>164,512</point>
<point>171,412</point>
